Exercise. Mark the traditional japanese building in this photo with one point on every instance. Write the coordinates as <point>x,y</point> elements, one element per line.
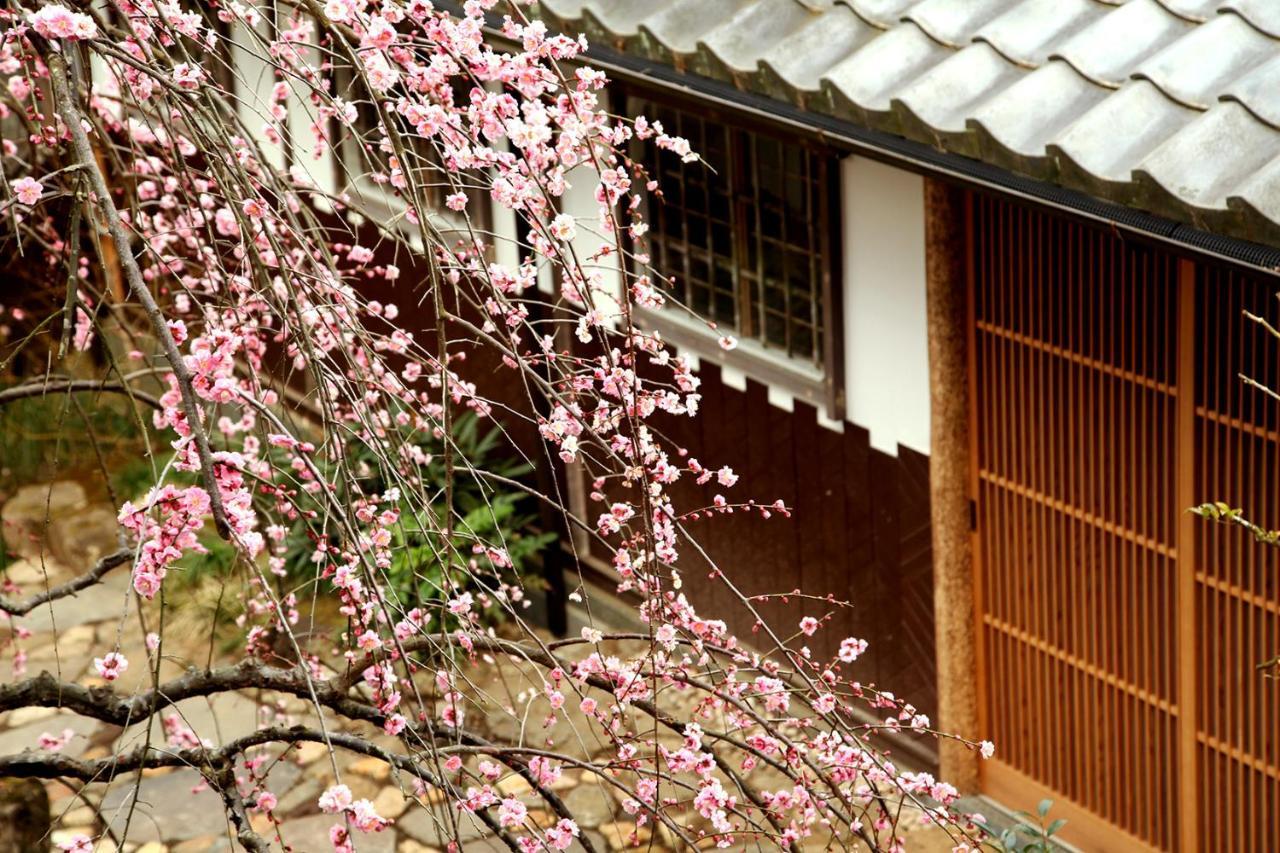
<point>987,261</point>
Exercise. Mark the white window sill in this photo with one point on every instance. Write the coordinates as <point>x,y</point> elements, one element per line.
<point>800,379</point>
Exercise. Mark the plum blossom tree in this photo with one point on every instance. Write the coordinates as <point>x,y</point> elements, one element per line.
<point>246,287</point>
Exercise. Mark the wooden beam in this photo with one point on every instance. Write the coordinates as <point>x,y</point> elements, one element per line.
<point>946,277</point>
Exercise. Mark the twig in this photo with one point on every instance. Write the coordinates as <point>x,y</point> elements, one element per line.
<point>89,578</point>
<point>74,121</point>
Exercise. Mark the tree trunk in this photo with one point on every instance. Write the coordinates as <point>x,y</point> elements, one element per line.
<point>24,816</point>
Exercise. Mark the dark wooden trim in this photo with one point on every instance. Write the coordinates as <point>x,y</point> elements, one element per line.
<point>832,287</point>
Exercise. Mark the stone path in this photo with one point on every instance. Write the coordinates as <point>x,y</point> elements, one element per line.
<point>170,811</point>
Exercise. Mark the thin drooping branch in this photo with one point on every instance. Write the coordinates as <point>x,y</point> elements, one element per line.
<point>43,388</point>
<point>83,148</point>
<point>76,584</point>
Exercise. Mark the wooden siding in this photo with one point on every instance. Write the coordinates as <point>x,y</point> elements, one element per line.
<point>859,532</point>
<point>1119,635</point>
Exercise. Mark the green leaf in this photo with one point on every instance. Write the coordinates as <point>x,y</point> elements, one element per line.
<point>1055,826</point>
<point>1043,808</point>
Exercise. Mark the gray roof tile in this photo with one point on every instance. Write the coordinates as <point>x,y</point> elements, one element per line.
<point>1198,11</point>
<point>1259,91</point>
<point>1194,69</point>
<point>1106,51</point>
<point>1170,105</point>
<point>1057,92</point>
<point>954,22</point>
<point>734,48</point>
<point>1263,14</point>
<point>1028,32</point>
<point>879,13</point>
<point>867,79</point>
<point>946,95</point>
<point>1206,161</point>
<point>1098,151</point>
<point>796,63</point>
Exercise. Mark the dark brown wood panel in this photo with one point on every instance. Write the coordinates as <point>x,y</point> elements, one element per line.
<point>859,533</point>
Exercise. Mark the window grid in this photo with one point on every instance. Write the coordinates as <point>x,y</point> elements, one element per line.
<point>740,234</point>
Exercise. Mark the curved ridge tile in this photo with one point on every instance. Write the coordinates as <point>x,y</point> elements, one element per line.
<point>620,19</point>
<point>1196,68</point>
<point>1198,11</point>
<point>562,11</point>
<point>885,14</point>
<point>565,10</point>
<point>935,106</point>
<point>1015,126</point>
<point>1027,33</point>
<point>1259,91</point>
<point>1109,49</point>
<point>675,30</point>
<point>732,50</point>
<point>1102,147</point>
<point>798,62</point>
<point>864,83</point>
<point>1202,165</point>
<point>1263,14</point>
<point>953,22</point>
<point>1257,201</point>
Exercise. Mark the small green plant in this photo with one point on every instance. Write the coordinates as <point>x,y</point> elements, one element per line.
<point>1031,834</point>
<point>50,437</point>
<point>420,571</point>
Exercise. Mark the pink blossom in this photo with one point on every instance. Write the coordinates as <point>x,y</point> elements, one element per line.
<point>77,844</point>
<point>111,666</point>
<point>188,76</point>
<point>561,836</point>
<point>563,227</point>
<point>254,208</point>
<point>365,818</point>
<point>851,648</point>
<point>28,190</point>
<point>335,799</point>
<point>512,812</point>
<point>809,626</point>
<point>55,743</point>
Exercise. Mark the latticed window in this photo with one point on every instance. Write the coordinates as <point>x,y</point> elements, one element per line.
<point>744,235</point>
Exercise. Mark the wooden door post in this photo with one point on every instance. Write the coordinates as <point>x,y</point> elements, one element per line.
<point>946,276</point>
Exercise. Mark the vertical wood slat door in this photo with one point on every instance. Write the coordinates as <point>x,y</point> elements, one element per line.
<point>1119,637</point>
<point>1236,584</point>
<point>1076,417</point>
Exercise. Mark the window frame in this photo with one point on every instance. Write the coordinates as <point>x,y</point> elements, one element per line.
<point>818,382</point>
<point>379,201</point>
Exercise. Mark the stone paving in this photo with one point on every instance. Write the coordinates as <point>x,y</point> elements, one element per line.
<point>169,811</point>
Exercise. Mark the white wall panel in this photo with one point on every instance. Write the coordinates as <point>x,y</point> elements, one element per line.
<point>885,346</point>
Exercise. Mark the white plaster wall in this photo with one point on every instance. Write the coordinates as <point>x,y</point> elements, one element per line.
<point>885,345</point>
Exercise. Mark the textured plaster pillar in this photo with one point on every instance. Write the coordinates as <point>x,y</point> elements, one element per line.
<point>945,272</point>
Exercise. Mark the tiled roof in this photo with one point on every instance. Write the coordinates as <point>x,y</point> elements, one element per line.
<point>1171,106</point>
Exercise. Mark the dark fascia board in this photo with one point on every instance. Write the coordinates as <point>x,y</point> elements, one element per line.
<point>926,160</point>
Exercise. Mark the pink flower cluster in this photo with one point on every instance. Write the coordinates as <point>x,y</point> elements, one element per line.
<point>166,524</point>
<point>360,815</point>
<point>59,22</point>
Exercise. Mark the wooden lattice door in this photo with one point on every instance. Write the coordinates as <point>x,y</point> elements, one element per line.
<point>1118,636</point>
